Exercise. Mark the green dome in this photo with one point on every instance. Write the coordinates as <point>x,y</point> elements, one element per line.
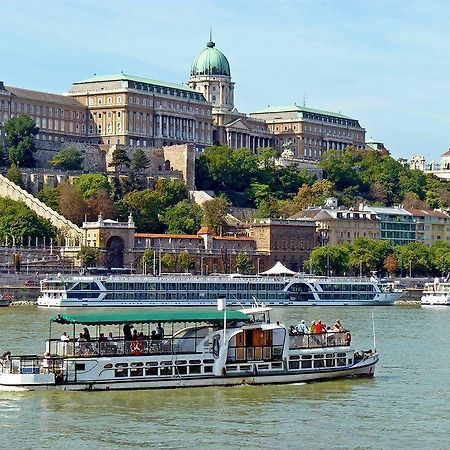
<point>210,62</point>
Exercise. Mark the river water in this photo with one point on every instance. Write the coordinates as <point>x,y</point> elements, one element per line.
<point>406,405</point>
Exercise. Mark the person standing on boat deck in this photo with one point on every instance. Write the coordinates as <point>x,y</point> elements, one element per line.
<point>86,334</point>
<point>64,337</point>
<point>127,335</point>
<point>302,328</point>
<point>312,328</point>
<point>160,331</point>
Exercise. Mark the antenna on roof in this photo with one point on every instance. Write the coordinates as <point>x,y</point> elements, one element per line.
<point>304,99</point>
<point>210,34</point>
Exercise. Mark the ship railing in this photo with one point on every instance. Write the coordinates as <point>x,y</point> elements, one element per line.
<point>31,364</point>
<point>318,340</point>
<point>122,347</point>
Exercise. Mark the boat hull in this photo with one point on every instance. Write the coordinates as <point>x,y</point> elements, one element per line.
<point>383,299</point>
<point>18,382</point>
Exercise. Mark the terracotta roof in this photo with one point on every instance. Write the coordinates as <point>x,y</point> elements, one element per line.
<point>233,238</point>
<point>428,212</point>
<point>46,97</point>
<point>306,214</point>
<point>447,153</point>
<point>166,236</point>
<point>205,230</point>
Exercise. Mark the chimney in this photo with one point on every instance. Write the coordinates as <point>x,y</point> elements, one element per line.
<point>2,86</point>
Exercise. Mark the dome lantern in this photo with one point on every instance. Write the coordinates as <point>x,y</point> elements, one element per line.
<point>210,61</point>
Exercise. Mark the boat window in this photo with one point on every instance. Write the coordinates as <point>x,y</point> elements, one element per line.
<point>136,372</point>
<point>318,361</point>
<point>194,361</point>
<point>180,370</point>
<point>195,369</point>
<point>121,364</point>
<point>294,364</point>
<point>277,365</point>
<point>306,364</point>
<point>208,361</point>
<point>294,357</point>
<point>165,370</point>
<point>350,361</point>
<point>181,362</point>
<point>207,369</point>
<point>136,364</point>
<point>79,366</point>
<point>150,371</point>
<point>151,363</point>
<point>108,366</point>
<point>341,359</point>
<point>121,373</point>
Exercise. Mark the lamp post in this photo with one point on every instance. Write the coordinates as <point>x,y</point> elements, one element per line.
<point>360,268</point>
<point>257,265</point>
<point>410,268</point>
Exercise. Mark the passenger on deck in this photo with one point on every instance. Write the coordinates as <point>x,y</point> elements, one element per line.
<point>292,330</point>
<point>160,331</point>
<point>46,363</point>
<point>102,338</point>
<point>128,336</point>
<point>312,328</point>
<point>320,327</point>
<point>86,334</point>
<point>338,328</point>
<point>64,337</point>
<point>110,338</point>
<point>153,336</point>
<point>135,335</point>
<point>302,328</point>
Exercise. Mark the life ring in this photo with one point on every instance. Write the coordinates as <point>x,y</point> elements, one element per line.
<point>348,338</point>
<point>137,348</point>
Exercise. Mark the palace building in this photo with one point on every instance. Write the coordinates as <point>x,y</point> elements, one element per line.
<point>127,110</point>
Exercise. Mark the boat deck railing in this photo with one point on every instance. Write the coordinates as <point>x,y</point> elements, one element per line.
<point>122,347</point>
<point>31,364</point>
<point>318,340</point>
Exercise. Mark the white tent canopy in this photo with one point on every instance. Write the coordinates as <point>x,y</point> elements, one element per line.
<point>278,269</point>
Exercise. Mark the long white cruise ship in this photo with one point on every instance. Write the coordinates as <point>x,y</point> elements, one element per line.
<point>191,290</point>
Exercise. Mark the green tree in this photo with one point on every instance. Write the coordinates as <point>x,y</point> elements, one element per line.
<point>68,158</point>
<point>20,222</point>
<point>390,264</point>
<point>214,214</point>
<point>120,159</point>
<point>440,255</point>
<point>146,207</point>
<point>91,183</point>
<point>170,191</point>
<point>71,203</point>
<point>329,260</point>
<point>185,261</point>
<point>183,218</point>
<point>15,176</point>
<point>168,261</point>
<point>20,132</point>
<point>414,258</point>
<point>139,161</point>
<point>89,256</point>
<point>244,263</point>
<point>50,196</point>
<point>147,260</point>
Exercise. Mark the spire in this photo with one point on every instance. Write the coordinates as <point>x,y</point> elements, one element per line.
<point>210,44</point>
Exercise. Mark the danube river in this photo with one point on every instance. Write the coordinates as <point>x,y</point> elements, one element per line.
<point>406,405</point>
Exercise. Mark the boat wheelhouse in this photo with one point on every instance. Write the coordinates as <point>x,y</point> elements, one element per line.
<point>190,290</point>
<point>436,294</point>
<point>196,348</point>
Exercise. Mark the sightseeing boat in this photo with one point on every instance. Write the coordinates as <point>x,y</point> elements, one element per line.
<point>436,293</point>
<point>203,290</point>
<point>195,348</point>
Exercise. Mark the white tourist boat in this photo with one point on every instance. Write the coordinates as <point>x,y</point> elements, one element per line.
<point>436,293</point>
<point>193,290</point>
<point>203,348</point>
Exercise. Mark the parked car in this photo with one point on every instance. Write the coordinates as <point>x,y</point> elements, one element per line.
<point>31,283</point>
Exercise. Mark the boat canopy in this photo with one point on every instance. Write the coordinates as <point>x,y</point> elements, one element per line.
<point>194,315</point>
<point>279,269</point>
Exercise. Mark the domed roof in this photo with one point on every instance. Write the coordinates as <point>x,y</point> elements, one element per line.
<point>211,62</point>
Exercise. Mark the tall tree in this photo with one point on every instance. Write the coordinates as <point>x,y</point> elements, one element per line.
<point>91,183</point>
<point>120,159</point>
<point>214,214</point>
<point>185,261</point>
<point>183,218</point>
<point>71,203</point>
<point>139,161</point>
<point>20,132</point>
<point>101,203</point>
<point>50,196</point>
<point>89,256</point>
<point>244,263</point>
<point>68,158</point>
<point>168,261</point>
<point>15,176</point>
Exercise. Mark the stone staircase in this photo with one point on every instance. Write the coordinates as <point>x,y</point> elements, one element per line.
<point>10,190</point>
<point>201,197</point>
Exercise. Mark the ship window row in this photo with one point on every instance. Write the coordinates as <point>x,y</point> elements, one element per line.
<point>163,368</point>
<point>319,361</point>
<point>347,287</point>
<point>245,286</point>
<point>191,295</point>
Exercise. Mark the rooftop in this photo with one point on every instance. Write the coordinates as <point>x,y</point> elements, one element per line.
<point>46,97</point>
<point>125,77</point>
<point>296,108</point>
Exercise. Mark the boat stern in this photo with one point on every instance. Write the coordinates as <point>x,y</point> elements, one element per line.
<point>25,381</point>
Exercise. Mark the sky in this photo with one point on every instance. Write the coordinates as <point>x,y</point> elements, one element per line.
<point>385,63</point>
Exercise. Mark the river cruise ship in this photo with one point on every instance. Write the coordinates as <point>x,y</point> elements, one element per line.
<point>191,290</point>
<point>192,348</point>
<point>436,294</point>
